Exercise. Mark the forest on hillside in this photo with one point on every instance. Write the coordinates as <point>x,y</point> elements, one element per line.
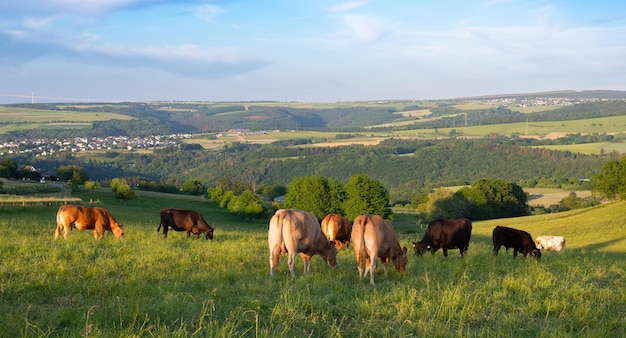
<point>405,167</point>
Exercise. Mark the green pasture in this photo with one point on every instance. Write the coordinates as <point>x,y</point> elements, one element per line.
<point>149,286</point>
<point>614,124</point>
<point>12,119</point>
<point>28,115</point>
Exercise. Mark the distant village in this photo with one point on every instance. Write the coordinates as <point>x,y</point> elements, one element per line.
<point>47,146</point>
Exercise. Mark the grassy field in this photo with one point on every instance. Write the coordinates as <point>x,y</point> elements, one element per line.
<point>174,287</point>
<point>12,118</point>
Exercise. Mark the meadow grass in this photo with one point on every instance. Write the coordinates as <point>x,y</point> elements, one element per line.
<point>149,286</point>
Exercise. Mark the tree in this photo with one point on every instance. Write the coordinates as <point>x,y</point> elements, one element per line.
<point>8,168</point>
<point>441,203</point>
<point>91,186</point>
<point>272,191</point>
<point>193,187</point>
<point>75,180</point>
<point>503,198</point>
<point>122,189</point>
<point>78,175</point>
<point>611,181</point>
<point>247,205</point>
<point>310,193</point>
<point>366,196</point>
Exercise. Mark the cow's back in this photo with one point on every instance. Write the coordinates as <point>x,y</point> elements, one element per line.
<point>337,229</point>
<point>80,217</point>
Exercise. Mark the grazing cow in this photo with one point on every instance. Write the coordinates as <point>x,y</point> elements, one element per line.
<point>445,234</point>
<point>86,218</point>
<point>550,243</point>
<point>184,220</point>
<point>372,237</point>
<point>519,240</point>
<point>296,231</point>
<point>337,229</point>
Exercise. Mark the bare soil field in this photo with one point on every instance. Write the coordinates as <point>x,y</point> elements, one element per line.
<point>547,196</point>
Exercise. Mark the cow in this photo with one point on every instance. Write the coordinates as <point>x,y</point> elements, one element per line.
<point>296,231</point>
<point>519,240</point>
<point>337,230</point>
<point>184,220</point>
<point>86,218</point>
<point>445,234</point>
<point>550,243</point>
<point>374,237</point>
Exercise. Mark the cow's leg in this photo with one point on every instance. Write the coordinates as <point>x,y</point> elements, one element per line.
<point>372,265</point>
<point>359,264</point>
<point>274,259</point>
<point>386,266</point>
<point>307,263</point>
<point>496,248</point>
<point>291,264</point>
<point>58,230</point>
<point>445,252</point>
<point>514,252</point>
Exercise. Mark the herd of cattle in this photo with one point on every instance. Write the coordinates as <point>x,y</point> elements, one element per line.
<point>294,232</point>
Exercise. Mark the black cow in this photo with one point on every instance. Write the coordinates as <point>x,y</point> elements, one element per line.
<point>184,220</point>
<point>445,234</point>
<point>519,240</point>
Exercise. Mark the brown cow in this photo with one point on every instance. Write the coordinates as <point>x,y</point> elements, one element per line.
<point>184,220</point>
<point>372,237</point>
<point>337,229</point>
<point>86,218</point>
<point>296,231</point>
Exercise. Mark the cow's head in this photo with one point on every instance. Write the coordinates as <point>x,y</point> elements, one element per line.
<point>399,263</point>
<point>118,231</point>
<point>330,255</point>
<point>420,248</point>
<point>536,253</point>
<point>208,233</point>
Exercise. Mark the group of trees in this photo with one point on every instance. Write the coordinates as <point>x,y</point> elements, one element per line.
<point>323,196</point>
<point>484,199</point>
<point>611,181</point>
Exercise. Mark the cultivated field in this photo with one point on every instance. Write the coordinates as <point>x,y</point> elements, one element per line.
<point>150,286</point>
<point>12,118</point>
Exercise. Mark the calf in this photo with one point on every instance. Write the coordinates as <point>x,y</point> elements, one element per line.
<point>550,243</point>
<point>519,240</point>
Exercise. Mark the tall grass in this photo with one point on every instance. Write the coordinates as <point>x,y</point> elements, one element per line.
<point>174,287</point>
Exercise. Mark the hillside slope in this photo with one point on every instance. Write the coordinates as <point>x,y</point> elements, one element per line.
<point>601,228</point>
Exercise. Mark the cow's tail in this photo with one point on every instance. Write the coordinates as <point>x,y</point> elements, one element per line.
<point>159,228</point>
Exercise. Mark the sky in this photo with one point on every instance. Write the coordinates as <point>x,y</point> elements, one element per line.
<point>306,50</point>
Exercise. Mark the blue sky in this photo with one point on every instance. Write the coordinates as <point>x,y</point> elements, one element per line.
<point>297,50</point>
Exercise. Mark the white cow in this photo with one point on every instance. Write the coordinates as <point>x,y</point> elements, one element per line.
<point>550,243</point>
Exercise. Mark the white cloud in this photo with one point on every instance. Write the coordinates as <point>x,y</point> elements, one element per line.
<point>208,12</point>
<point>363,28</point>
<point>347,6</point>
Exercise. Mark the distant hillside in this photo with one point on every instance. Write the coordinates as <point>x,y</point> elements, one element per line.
<point>166,118</point>
<point>583,94</point>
